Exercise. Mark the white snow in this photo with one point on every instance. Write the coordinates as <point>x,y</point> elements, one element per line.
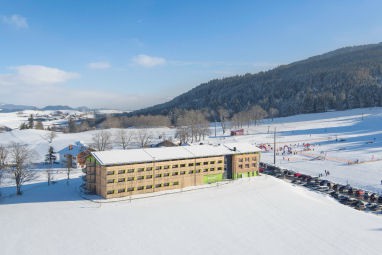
<point>260,215</point>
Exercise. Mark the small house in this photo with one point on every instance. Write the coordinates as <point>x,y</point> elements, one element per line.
<point>73,150</point>
<point>237,132</point>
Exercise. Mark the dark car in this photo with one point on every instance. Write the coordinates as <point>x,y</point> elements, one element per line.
<point>334,194</point>
<point>379,200</point>
<point>343,189</point>
<point>373,197</point>
<point>359,205</point>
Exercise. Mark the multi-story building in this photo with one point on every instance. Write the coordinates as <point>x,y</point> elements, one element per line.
<point>118,173</point>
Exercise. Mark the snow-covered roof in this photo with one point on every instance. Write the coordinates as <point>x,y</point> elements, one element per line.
<point>118,157</point>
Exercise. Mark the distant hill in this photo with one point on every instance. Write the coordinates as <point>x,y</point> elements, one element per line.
<point>16,108</point>
<point>346,78</point>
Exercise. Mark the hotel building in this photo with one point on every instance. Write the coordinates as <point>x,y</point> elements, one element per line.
<point>119,173</point>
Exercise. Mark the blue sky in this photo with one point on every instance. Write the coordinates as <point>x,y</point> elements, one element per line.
<point>132,54</point>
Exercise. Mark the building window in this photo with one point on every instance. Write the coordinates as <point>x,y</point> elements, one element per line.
<point>246,165</point>
<point>175,183</point>
<point>182,172</point>
<point>166,184</point>
<point>182,165</point>
<point>140,177</point>
<point>121,190</point>
<point>140,188</point>
<point>175,173</point>
<point>198,171</point>
<point>166,167</point>
<point>198,164</point>
<point>130,171</point>
<point>240,160</point>
<point>149,168</point>
<point>158,175</point>
<point>205,170</point>
<point>212,162</point>
<point>240,166</point>
<point>253,164</point>
<point>110,172</point>
<point>254,159</point>
<point>158,185</point>
<point>130,178</point>
<point>158,168</point>
<point>220,161</point>
<point>130,189</point>
<point>205,163</point>
<point>166,174</point>
<point>149,176</point>
<point>109,192</point>
<point>110,181</point>
<point>174,166</point>
<point>121,171</point>
<point>220,168</point>
<point>121,180</point>
<point>141,169</point>
<point>191,172</point>
<point>191,164</point>
<point>212,169</point>
<point>149,186</point>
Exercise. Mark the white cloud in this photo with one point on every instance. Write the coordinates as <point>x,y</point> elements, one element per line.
<point>15,20</point>
<point>99,65</point>
<point>35,75</point>
<point>148,61</point>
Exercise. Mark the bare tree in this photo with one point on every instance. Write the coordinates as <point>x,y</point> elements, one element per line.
<point>223,117</point>
<point>273,112</point>
<point>102,141</point>
<point>123,138</point>
<point>3,159</point>
<point>50,136</point>
<point>143,137</point>
<point>20,157</point>
<point>257,113</point>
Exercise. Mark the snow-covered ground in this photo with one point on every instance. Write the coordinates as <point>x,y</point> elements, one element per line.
<point>260,215</point>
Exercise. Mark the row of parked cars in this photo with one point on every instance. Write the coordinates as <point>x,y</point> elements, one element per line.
<point>345,194</point>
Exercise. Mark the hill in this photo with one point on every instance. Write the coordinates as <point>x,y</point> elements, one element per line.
<point>342,79</point>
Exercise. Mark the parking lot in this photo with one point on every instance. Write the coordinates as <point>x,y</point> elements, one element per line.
<point>359,199</point>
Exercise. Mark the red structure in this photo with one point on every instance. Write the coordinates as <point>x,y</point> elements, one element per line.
<point>237,132</point>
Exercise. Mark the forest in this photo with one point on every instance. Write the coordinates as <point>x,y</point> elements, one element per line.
<point>342,79</point>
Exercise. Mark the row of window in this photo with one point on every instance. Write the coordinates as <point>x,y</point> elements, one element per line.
<point>147,187</point>
<point>248,159</point>
<point>247,165</point>
<point>164,175</point>
<point>142,169</point>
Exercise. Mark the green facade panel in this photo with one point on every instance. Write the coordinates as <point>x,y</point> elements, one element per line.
<point>211,178</point>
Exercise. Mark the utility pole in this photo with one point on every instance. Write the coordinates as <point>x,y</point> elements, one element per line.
<point>274,148</point>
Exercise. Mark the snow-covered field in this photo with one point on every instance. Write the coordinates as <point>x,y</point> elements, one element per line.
<point>261,215</point>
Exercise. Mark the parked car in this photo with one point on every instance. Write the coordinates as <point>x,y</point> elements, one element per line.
<point>335,187</point>
<point>373,197</point>
<point>334,194</point>
<point>323,183</point>
<point>344,189</point>
<point>379,200</point>
<point>358,204</point>
<point>359,193</point>
<point>373,207</point>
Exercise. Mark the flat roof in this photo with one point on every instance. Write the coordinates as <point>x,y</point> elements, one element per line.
<point>120,157</point>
